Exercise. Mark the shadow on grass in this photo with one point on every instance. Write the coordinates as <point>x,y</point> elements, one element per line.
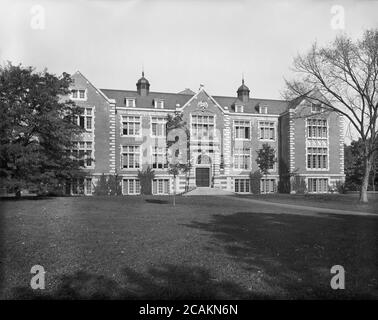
<point>166,282</point>
<point>6,198</point>
<point>293,254</point>
<point>157,201</point>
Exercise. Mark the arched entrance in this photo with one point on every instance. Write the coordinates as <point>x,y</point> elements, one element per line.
<point>203,171</point>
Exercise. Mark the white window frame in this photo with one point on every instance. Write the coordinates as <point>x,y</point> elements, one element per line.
<point>165,183</point>
<point>317,154</point>
<point>248,122</point>
<point>86,115</point>
<point>78,94</point>
<point>136,186</point>
<point>126,120</point>
<point>316,108</point>
<point>239,108</point>
<point>272,125</point>
<point>263,108</point>
<point>87,181</point>
<point>263,185</point>
<point>137,155</point>
<point>195,136</point>
<point>242,154</point>
<point>159,120</point>
<point>132,100</point>
<point>246,182</point>
<point>83,146</point>
<point>317,126</point>
<point>318,184</point>
<point>161,153</point>
<point>159,103</point>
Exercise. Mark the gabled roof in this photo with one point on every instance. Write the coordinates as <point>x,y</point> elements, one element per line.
<point>252,106</point>
<point>315,94</point>
<point>93,86</point>
<point>172,99</point>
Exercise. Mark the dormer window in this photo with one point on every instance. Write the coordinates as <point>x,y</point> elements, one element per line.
<point>239,108</point>
<point>316,108</point>
<point>130,102</point>
<point>78,94</point>
<point>159,104</point>
<point>263,109</point>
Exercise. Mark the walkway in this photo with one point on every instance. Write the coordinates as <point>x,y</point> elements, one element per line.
<point>308,208</point>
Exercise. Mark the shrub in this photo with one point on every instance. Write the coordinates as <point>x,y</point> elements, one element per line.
<point>145,180</point>
<point>340,187</point>
<point>255,178</point>
<point>108,186</point>
<point>299,185</point>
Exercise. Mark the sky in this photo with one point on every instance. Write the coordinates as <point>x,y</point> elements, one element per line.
<point>179,44</point>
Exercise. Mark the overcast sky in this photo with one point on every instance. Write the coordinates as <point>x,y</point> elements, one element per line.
<point>180,43</point>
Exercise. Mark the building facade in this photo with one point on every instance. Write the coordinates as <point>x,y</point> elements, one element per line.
<point>125,131</point>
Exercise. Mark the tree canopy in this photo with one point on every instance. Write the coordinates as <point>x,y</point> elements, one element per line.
<point>345,74</point>
<point>36,127</point>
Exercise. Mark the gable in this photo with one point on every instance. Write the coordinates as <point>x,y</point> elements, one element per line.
<point>202,102</point>
<point>81,82</point>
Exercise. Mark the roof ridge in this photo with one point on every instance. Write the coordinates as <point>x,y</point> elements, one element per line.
<point>182,94</point>
<point>185,94</point>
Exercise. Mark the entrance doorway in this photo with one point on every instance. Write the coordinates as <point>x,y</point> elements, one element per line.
<point>203,177</point>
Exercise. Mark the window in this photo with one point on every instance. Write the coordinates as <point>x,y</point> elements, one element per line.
<point>268,185</point>
<point>83,152</point>
<point>130,102</point>
<point>317,158</point>
<point>131,186</point>
<point>131,126</point>
<point>263,109</point>
<point>88,186</point>
<point>267,130</point>
<point>242,129</point>
<point>317,185</point>
<point>239,109</point>
<point>158,126</point>
<point>242,158</point>
<point>317,129</point>
<point>203,127</point>
<point>160,186</point>
<point>158,158</point>
<point>242,185</point>
<point>316,108</point>
<point>78,94</point>
<point>85,119</point>
<point>159,104</point>
<point>77,186</point>
<point>131,157</point>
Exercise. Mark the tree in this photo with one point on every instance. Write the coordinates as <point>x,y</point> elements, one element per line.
<point>266,158</point>
<point>108,185</point>
<point>354,166</point>
<point>36,128</point>
<point>345,74</point>
<point>178,162</point>
<point>145,178</point>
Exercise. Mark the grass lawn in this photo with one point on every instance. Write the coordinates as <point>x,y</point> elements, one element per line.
<point>331,201</point>
<point>205,247</point>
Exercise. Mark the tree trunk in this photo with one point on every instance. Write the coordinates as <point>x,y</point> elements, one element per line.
<point>373,180</point>
<point>18,193</point>
<point>174,191</point>
<point>365,180</point>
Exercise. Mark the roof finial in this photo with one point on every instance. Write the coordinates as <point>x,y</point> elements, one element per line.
<point>142,69</point>
<point>242,77</point>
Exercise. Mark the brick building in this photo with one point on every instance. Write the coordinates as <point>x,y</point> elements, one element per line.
<point>126,132</point>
